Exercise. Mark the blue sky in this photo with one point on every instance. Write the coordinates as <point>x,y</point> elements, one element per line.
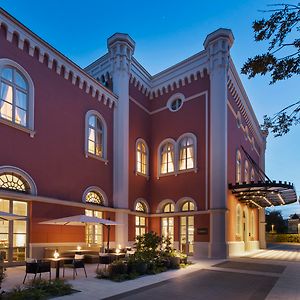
<point>167,32</point>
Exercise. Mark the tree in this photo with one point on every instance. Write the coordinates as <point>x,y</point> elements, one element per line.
<point>275,218</point>
<point>281,60</point>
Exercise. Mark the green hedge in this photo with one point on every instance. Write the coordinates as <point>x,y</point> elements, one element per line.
<point>283,238</point>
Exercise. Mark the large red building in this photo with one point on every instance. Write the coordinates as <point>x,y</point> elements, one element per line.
<point>151,152</point>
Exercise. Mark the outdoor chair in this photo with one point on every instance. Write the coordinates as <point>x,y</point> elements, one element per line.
<point>76,263</point>
<point>104,259</point>
<point>37,267</point>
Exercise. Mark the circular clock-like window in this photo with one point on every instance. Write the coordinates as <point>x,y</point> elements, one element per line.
<point>175,102</point>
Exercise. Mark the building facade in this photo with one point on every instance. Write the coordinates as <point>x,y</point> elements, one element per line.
<point>155,153</point>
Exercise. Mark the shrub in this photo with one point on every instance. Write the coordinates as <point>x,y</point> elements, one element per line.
<point>2,272</point>
<point>117,268</point>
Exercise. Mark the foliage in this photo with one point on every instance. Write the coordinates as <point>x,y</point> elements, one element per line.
<point>275,218</point>
<point>283,238</point>
<point>281,60</point>
<point>40,289</point>
<point>2,272</point>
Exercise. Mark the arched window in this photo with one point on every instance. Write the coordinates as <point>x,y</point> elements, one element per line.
<point>252,175</point>
<point>141,157</point>
<point>16,94</point>
<point>94,197</point>
<point>246,175</point>
<point>187,229</point>
<point>167,223</point>
<point>238,222</point>
<point>10,181</point>
<point>167,155</point>
<point>140,221</point>
<point>187,153</point>
<point>95,135</point>
<point>238,167</point>
<point>252,224</point>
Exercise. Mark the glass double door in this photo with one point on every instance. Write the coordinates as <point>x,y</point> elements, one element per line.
<point>187,234</point>
<point>13,234</point>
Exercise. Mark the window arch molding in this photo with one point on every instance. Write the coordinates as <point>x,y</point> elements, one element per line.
<point>179,140</point>
<point>159,156</point>
<point>97,190</point>
<point>21,173</point>
<point>143,202</point>
<point>6,62</point>
<point>104,135</point>
<point>142,141</point>
<point>173,98</point>
<point>163,203</point>
<point>182,201</point>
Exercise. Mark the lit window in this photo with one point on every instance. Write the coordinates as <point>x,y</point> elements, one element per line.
<point>186,153</point>
<point>94,233</point>
<point>167,158</point>
<point>187,229</point>
<point>140,221</point>
<point>95,135</point>
<point>238,220</point>
<point>141,157</point>
<point>9,181</point>
<point>252,224</point>
<point>246,175</point>
<point>14,96</point>
<point>95,198</point>
<point>188,206</point>
<point>238,167</point>
<point>169,207</point>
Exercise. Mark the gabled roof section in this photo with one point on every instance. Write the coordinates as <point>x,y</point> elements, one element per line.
<point>63,65</point>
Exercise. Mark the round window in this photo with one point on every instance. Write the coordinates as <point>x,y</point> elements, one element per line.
<point>176,104</point>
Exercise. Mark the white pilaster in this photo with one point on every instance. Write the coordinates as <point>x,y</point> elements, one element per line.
<point>218,44</point>
<point>121,48</point>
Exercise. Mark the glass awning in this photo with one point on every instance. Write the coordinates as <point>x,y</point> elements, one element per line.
<point>264,193</point>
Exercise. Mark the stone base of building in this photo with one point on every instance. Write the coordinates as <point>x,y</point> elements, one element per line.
<point>241,247</point>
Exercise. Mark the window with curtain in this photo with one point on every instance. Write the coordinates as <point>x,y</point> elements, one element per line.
<point>140,221</point>
<point>167,158</point>
<point>141,158</point>
<point>14,96</point>
<point>186,153</point>
<point>95,136</point>
<point>238,167</point>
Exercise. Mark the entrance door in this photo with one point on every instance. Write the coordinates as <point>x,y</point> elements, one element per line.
<point>187,234</point>
<point>13,234</point>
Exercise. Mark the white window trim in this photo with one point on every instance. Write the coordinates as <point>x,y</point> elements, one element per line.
<point>87,153</point>
<point>22,174</point>
<point>173,142</point>
<point>97,190</point>
<point>174,97</point>
<point>5,62</point>
<point>187,135</point>
<point>147,158</point>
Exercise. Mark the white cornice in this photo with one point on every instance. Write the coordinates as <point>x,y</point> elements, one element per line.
<point>238,92</point>
<point>71,70</point>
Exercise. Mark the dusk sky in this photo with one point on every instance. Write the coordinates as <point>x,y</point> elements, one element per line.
<point>165,33</point>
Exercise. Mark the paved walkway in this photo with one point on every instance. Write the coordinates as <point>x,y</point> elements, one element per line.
<point>258,276</point>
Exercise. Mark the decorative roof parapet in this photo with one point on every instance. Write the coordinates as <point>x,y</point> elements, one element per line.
<point>55,59</point>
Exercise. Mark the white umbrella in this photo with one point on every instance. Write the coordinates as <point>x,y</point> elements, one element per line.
<point>5,216</point>
<point>81,220</point>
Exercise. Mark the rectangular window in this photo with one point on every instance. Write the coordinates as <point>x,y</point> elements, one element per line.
<point>94,233</point>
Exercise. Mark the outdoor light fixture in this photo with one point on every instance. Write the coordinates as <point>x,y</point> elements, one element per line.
<point>118,250</point>
<point>78,247</point>
<point>56,254</point>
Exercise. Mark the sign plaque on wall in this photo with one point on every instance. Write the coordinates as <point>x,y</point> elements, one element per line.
<point>202,230</point>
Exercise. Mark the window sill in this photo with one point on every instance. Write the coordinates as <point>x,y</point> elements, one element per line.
<point>19,127</point>
<point>195,170</point>
<point>87,155</point>
<point>142,174</point>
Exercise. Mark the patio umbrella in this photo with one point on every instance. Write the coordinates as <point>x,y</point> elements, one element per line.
<point>5,216</point>
<point>82,220</point>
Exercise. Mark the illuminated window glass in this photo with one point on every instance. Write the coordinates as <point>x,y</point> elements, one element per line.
<point>10,181</point>
<point>95,136</point>
<point>140,221</point>
<point>252,175</point>
<point>94,233</point>
<point>167,158</point>
<point>188,206</point>
<point>169,207</point>
<point>95,198</point>
<point>13,96</point>
<point>141,158</point>
<point>187,229</point>
<point>186,153</point>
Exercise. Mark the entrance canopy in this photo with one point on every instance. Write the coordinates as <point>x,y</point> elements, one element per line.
<point>264,194</point>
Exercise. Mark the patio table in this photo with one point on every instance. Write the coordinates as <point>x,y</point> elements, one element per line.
<point>57,263</point>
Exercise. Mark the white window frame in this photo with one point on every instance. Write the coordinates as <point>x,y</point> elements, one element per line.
<point>104,136</point>
<point>97,190</point>
<point>29,128</point>
<point>138,141</point>
<point>179,140</point>
<point>171,141</point>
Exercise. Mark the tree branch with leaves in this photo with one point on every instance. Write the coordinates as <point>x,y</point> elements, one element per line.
<point>281,60</point>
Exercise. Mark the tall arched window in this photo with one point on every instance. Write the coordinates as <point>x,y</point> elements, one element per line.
<point>140,221</point>
<point>246,175</point>
<point>187,229</point>
<point>167,156</point>
<point>187,153</point>
<point>238,222</point>
<point>95,135</point>
<point>142,157</point>
<point>238,167</point>
<point>167,223</point>
<point>252,175</point>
